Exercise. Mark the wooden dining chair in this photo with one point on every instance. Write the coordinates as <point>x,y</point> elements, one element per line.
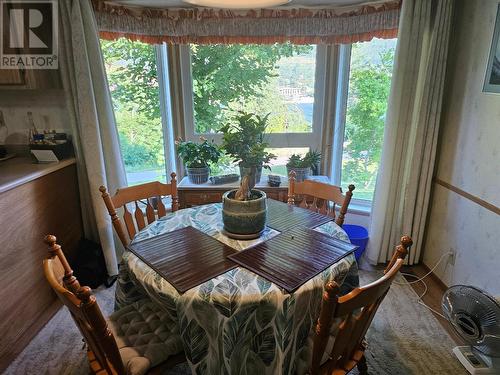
<point>319,197</point>
<point>135,340</point>
<point>354,312</point>
<point>147,195</point>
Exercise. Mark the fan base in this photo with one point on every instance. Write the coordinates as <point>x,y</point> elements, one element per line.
<point>475,362</point>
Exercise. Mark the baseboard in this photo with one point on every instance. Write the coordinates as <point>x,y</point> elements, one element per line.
<point>434,277</point>
<point>8,355</point>
<point>426,270</point>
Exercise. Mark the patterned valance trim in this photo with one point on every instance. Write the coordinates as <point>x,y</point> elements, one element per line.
<point>266,26</point>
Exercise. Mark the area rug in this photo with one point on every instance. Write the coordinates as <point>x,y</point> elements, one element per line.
<point>404,339</point>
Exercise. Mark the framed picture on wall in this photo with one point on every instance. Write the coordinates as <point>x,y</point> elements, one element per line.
<point>12,77</point>
<point>492,79</point>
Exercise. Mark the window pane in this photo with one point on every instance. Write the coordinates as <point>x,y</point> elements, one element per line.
<point>276,79</point>
<point>225,165</point>
<point>278,165</point>
<point>133,81</point>
<point>369,86</point>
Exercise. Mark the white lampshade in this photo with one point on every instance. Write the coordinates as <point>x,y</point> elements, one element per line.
<point>237,4</point>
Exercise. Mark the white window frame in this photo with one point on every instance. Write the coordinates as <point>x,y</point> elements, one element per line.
<point>340,111</point>
<point>339,121</point>
<point>275,140</point>
<point>163,75</point>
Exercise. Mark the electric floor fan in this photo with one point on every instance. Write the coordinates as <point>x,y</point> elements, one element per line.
<point>475,316</point>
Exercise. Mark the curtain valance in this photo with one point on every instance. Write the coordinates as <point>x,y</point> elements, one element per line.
<point>341,24</point>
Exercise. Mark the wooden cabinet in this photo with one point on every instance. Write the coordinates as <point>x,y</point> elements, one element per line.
<point>38,79</point>
<point>188,198</point>
<point>279,195</point>
<point>30,210</point>
<point>195,195</point>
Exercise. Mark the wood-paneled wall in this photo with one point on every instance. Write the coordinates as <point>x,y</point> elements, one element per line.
<point>49,204</point>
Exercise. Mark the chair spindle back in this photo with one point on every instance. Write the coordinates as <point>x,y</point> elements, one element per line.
<point>133,200</point>
<point>319,197</point>
<point>355,311</point>
<point>84,310</point>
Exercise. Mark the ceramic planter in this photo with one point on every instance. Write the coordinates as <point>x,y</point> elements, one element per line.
<point>198,175</point>
<point>244,219</point>
<point>301,174</point>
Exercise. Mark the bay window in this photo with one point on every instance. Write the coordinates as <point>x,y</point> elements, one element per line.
<point>327,98</point>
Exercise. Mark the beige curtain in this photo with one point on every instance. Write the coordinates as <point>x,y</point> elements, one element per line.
<point>404,181</point>
<point>94,131</point>
<point>349,23</point>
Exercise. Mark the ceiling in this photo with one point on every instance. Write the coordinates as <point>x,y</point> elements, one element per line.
<point>292,3</point>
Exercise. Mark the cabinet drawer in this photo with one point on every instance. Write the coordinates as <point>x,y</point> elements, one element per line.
<point>277,194</point>
<point>197,198</point>
<point>273,195</point>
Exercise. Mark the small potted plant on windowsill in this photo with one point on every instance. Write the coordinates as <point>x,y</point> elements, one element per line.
<point>196,157</point>
<point>302,165</point>
<point>243,140</point>
<point>314,158</point>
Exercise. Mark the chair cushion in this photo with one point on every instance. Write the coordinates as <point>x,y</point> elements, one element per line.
<point>145,334</point>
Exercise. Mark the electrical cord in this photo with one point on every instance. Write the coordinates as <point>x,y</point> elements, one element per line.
<point>421,280</point>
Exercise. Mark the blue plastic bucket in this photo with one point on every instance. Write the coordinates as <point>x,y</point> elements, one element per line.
<point>358,236</point>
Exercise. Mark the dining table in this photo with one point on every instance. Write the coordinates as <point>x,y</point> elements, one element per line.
<point>237,322</point>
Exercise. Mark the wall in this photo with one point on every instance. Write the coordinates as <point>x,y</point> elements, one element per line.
<point>357,216</point>
<point>468,159</point>
<point>48,108</point>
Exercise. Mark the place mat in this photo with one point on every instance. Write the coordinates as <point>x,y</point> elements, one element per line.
<point>185,257</point>
<point>282,216</point>
<point>293,257</point>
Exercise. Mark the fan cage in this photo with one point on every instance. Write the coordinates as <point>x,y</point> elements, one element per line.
<point>475,316</point>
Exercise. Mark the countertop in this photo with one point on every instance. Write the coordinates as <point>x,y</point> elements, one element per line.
<point>21,169</point>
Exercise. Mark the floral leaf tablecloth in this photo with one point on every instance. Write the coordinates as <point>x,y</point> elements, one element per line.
<point>238,322</point>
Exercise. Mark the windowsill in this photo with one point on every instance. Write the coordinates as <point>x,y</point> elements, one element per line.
<point>363,208</point>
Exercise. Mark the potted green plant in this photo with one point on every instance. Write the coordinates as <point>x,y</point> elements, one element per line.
<point>243,140</point>
<point>313,159</point>
<point>196,157</point>
<point>302,165</point>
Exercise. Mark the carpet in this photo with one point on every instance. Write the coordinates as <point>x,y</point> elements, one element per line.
<point>404,339</point>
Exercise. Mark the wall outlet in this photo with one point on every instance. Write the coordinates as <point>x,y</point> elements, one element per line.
<point>452,256</point>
